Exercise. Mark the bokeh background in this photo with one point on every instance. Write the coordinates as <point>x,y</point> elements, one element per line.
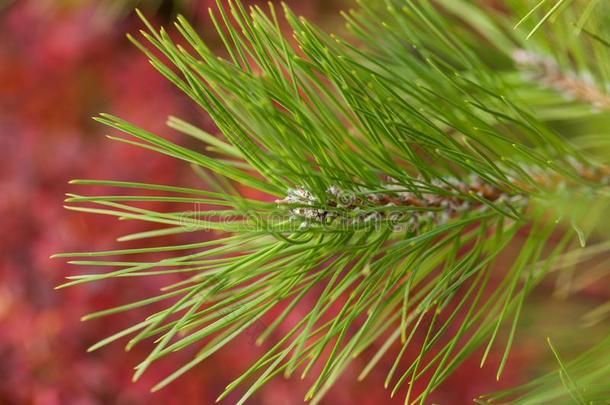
<point>60,63</point>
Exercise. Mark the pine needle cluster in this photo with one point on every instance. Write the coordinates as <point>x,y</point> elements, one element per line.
<point>400,165</point>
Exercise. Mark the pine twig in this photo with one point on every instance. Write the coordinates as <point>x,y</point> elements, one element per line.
<point>546,71</point>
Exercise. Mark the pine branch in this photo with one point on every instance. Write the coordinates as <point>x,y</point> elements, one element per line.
<point>403,169</point>
<point>548,73</point>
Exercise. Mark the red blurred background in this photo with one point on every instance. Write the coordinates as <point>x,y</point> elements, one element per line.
<point>61,63</point>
